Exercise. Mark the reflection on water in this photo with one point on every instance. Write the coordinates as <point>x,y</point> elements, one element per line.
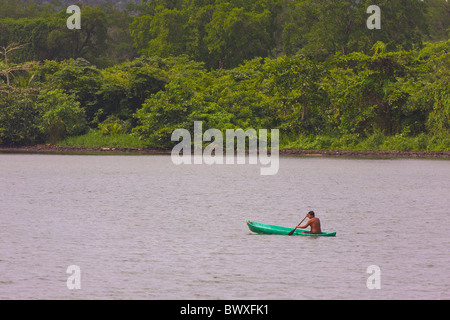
<point>140,227</point>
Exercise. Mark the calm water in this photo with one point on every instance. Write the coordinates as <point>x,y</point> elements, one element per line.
<point>140,227</point>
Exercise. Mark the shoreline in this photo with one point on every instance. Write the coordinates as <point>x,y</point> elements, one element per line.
<point>52,149</point>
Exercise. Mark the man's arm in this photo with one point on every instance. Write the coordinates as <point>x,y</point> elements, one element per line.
<point>305,226</point>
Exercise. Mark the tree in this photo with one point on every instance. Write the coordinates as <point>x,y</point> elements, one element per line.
<point>78,77</point>
<point>438,19</point>
<point>9,70</point>
<point>49,37</point>
<point>61,115</point>
<point>431,92</point>
<point>125,87</point>
<point>219,33</point>
<point>235,35</point>
<point>404,25</point>
<point>367,92</point>
<point>90,40</point>
<point>295,82</point>
<point>321,28</point>
<point>296,22</point>
<point>334,26</point>
<point>170,109</point>
<point>18,120</point>
<point>162,34</point>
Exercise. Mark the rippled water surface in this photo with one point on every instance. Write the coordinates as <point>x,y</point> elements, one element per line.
<point>140,227</point>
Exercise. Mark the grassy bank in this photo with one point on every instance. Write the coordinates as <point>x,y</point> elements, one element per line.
<point>96,139</point>
<point>375,142</point>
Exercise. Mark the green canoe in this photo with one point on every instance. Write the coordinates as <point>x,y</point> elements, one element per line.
<point>269,229</point>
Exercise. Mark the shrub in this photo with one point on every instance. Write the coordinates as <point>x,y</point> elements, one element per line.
<point>61,115</point>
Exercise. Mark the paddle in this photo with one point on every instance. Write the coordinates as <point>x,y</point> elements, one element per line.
<point>292,232</point>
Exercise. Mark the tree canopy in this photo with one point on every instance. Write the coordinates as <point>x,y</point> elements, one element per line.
<point>311,68</point>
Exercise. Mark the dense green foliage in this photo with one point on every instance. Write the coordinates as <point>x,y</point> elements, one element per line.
<point>310,68</point>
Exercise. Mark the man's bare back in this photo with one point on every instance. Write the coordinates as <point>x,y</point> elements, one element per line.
<point>315,225</point>
<point>313,222</point>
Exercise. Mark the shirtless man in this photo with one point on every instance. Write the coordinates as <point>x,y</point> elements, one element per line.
<point>313,222</point>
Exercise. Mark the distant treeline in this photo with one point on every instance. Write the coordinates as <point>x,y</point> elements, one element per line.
<point>220,33</point>
<point>310,68</point>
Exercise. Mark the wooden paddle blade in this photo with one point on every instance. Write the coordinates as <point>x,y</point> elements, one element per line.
<point>292,232</point>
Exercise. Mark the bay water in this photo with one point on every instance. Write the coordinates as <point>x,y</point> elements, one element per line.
<point>140,227</point>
